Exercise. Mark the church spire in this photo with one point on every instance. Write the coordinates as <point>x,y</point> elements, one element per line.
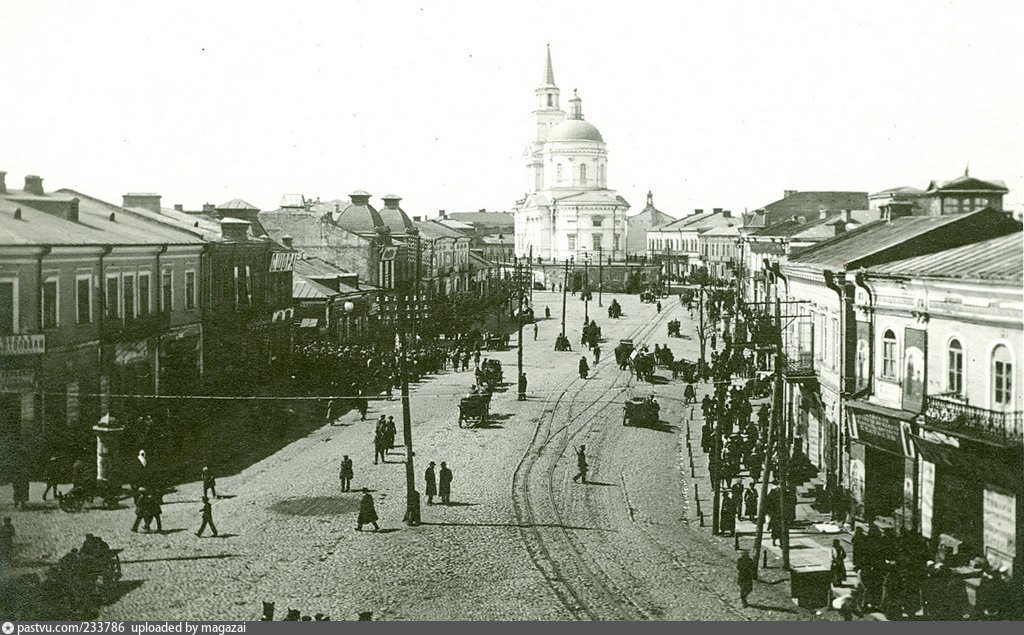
<point>549,71</point>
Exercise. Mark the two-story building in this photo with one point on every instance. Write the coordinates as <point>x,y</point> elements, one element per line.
<point>98,305</point>
<point>940,339</point>
<point>819,292</point>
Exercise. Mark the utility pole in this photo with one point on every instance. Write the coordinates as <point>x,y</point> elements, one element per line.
<point>530,270</point>
<point>562,342</point>
<point>600,274</point>
<point>522,295</point>
<point>412,497</point>
<point>716,467</point>
<point>586,289</point>
<point>773,425</point>
<point>783,432</point>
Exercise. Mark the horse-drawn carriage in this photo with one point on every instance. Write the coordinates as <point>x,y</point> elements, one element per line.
<point>673,328</point>
<point>640,411</point>
<point>614,310</point>
<point>496,342</point>
<point>622,353</point>
<point>648,297</point>
<point>526,316</point>
<point>75,499</point>
<point>644,365</point>
<point>490,374</point>
<point>474,409</point>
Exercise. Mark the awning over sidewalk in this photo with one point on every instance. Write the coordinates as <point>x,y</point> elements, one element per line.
<point>893,413</point>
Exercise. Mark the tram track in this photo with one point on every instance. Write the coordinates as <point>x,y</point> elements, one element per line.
<point>526,505</point>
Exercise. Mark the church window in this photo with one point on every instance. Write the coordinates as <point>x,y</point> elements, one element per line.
<point>583,174</point>
<point>551,100</point>
<point>600,175</point>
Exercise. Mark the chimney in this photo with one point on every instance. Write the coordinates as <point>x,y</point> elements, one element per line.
<point>3,182</point>
<point>286,240</point>
<point>178,207</point>
<point>698,211</point>
<point>149,202</point>
<point>442,213</point>
<point>845,215</point>
<point>71,212</point>
<point>727,213</point>
<point>801,219</point>
<point>234,229</point>
<point>822,213</point>
<point>209,208</point>
<point>788,193</point>
<point>417,219</point>
<point>34,184</point>
<point>716,210</point>
<point>483,210</point>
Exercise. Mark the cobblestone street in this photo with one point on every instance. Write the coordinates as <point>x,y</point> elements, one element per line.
<point>520,541</point>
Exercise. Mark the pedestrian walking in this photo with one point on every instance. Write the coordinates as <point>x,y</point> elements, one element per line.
<point>597,354</point>
<point>363,405</point>
<point>6,541</point>
<point>52,477</point>
<point>584,367</point>
<point>367,512</point>
<point>345,474</point>
<point>838,563</point>
<point>689,394</point>
<point>209,483</point>
<point>581,465</point>
<point>330,411</point>
<point>20,485</point>
<point>431,480</point>
<point>380,447</point>
<point>154,506</point>
<point>522,386</point>
<point>750,501</point>
<point>746,573</point>
<point>714,341</point>
<point>445,489</point>
<point>534,331</point>
<point>547,313</point>
<point>476,358</point>
<point>141,510</point>
<point>727,514</point>
<point>207,512</point>
<point>658,305</point>
<point>737,497</point>
<point>391,432</point>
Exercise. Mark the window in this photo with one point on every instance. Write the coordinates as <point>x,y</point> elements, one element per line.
<point>83,298</point>
<point>889,355</point>
<point>558,172</point>
<point>615,242</point>
<point>167,290</point>
<point>598,221</point>
<point>50,307</point>
<point>8,307</point>
<point>1002,376</point>
<point>835,342</point>
<point>600,175</point>
<point>145,296</point>
<point>128,291</point>
<point>190,290</point>
<point>113,299</point>
<point>597,242</point>
<point>551,100</point>
<point>572,241</point>
<point>248,282</point>
<point>955,366</point>
<point>583,174</point>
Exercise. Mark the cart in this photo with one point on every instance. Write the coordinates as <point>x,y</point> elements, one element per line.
<point>474,410</point>
<point>640,411</point>
<point>497,342</point>
<point>490,374</point>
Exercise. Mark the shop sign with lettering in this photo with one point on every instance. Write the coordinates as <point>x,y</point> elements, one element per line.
<point>22,345</point>
<point>1000,518</point>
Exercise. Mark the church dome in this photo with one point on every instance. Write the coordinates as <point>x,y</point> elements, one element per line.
<point>359,216</point>
<point>575,130</point>
<point>395,217</point>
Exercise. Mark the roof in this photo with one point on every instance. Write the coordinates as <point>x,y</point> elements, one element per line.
<point>93,227</point>
<point>593,196</point>
<point>305,289</point>
<point>902,190</point>
<point>361,218</point>
<point>454,224</point>
<point>480,260</point>
<point>808,204</point>
<point>503,219</point>
<point>966,183</point>
<point>237,203</point>
<point>575,130</point>
<point>996,259</point>
<point>433,230</point>
<point>879,239</point>
<point>314,267</point>
<point>293,200</point>
<point>396,219</point>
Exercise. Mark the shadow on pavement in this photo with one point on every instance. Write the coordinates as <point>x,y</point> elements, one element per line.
<point>221,556</point>
<point>766,607</point>
<point>519,526</point>
<point>599,483</point>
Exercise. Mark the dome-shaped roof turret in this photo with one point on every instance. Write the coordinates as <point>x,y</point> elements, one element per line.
<point>575,130</point>
<point>395,217</point>
<point>359,216</point>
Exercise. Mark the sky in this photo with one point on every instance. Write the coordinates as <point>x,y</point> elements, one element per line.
<point>722,104</point>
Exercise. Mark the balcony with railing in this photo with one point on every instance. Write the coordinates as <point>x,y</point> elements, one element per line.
<point>948,413</point>
<point>798,365</point>
<point>138,328</point>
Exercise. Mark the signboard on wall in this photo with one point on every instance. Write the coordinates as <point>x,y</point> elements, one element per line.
<point>1000,522</point>
<point>22,345</point>
<point>857,480</point>
<point>913,370</point>
<point>927,494</point>
<point>863,369</point>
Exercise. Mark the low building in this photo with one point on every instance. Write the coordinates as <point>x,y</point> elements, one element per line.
<point>637,226</point>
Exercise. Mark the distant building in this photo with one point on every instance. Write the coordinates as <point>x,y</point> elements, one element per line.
<point>805,205</point>
<point>569,210</point>
<point>638,224</point>
<point>962,195</point>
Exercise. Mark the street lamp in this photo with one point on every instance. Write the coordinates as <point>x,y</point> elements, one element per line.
<point>586,286</point>
<point>562,342</point>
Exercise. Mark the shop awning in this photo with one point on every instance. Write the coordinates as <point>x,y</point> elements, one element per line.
<point>893,413</point>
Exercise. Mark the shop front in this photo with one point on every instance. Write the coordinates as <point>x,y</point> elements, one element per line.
<point>882,463</point>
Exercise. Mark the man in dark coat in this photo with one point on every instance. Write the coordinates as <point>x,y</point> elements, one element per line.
<point>522,386</point>
<point>346,473</point>
<point>727,514</point>
<point>380,446</point>
<point>750,497</point>
<point>689,394</point>
<point>367,512</point>
<point>363,405</point>
<point>584,367</point>
<point>446,484</point>
<point>746,573</point>
<point>581,464</point>
<point>207,518</point>
<point>52,477</point>
<point>431,483</point>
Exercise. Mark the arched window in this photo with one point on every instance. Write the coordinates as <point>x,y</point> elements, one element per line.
<point>955,368</point>
<point>600,175</point>
<point>889,355</point>
<point>558,172</point>
<point>1002,376</point>
<point>583,174</point>
<point>551,100</point>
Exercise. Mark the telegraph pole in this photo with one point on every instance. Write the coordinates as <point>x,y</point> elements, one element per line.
<point>586,289</point>
<point>783,432</point>
<point>522,295</point>
<point>600,274</point>
<point>412,497</point>
<point>562,342</point>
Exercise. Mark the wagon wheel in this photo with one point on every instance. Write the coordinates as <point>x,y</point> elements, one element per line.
<point>624,419</point>
<point>462,417</point>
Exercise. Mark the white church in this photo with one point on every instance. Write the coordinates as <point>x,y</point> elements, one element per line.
<point>569,211</point>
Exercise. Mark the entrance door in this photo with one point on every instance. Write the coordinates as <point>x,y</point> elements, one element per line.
<point>883,482</point>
